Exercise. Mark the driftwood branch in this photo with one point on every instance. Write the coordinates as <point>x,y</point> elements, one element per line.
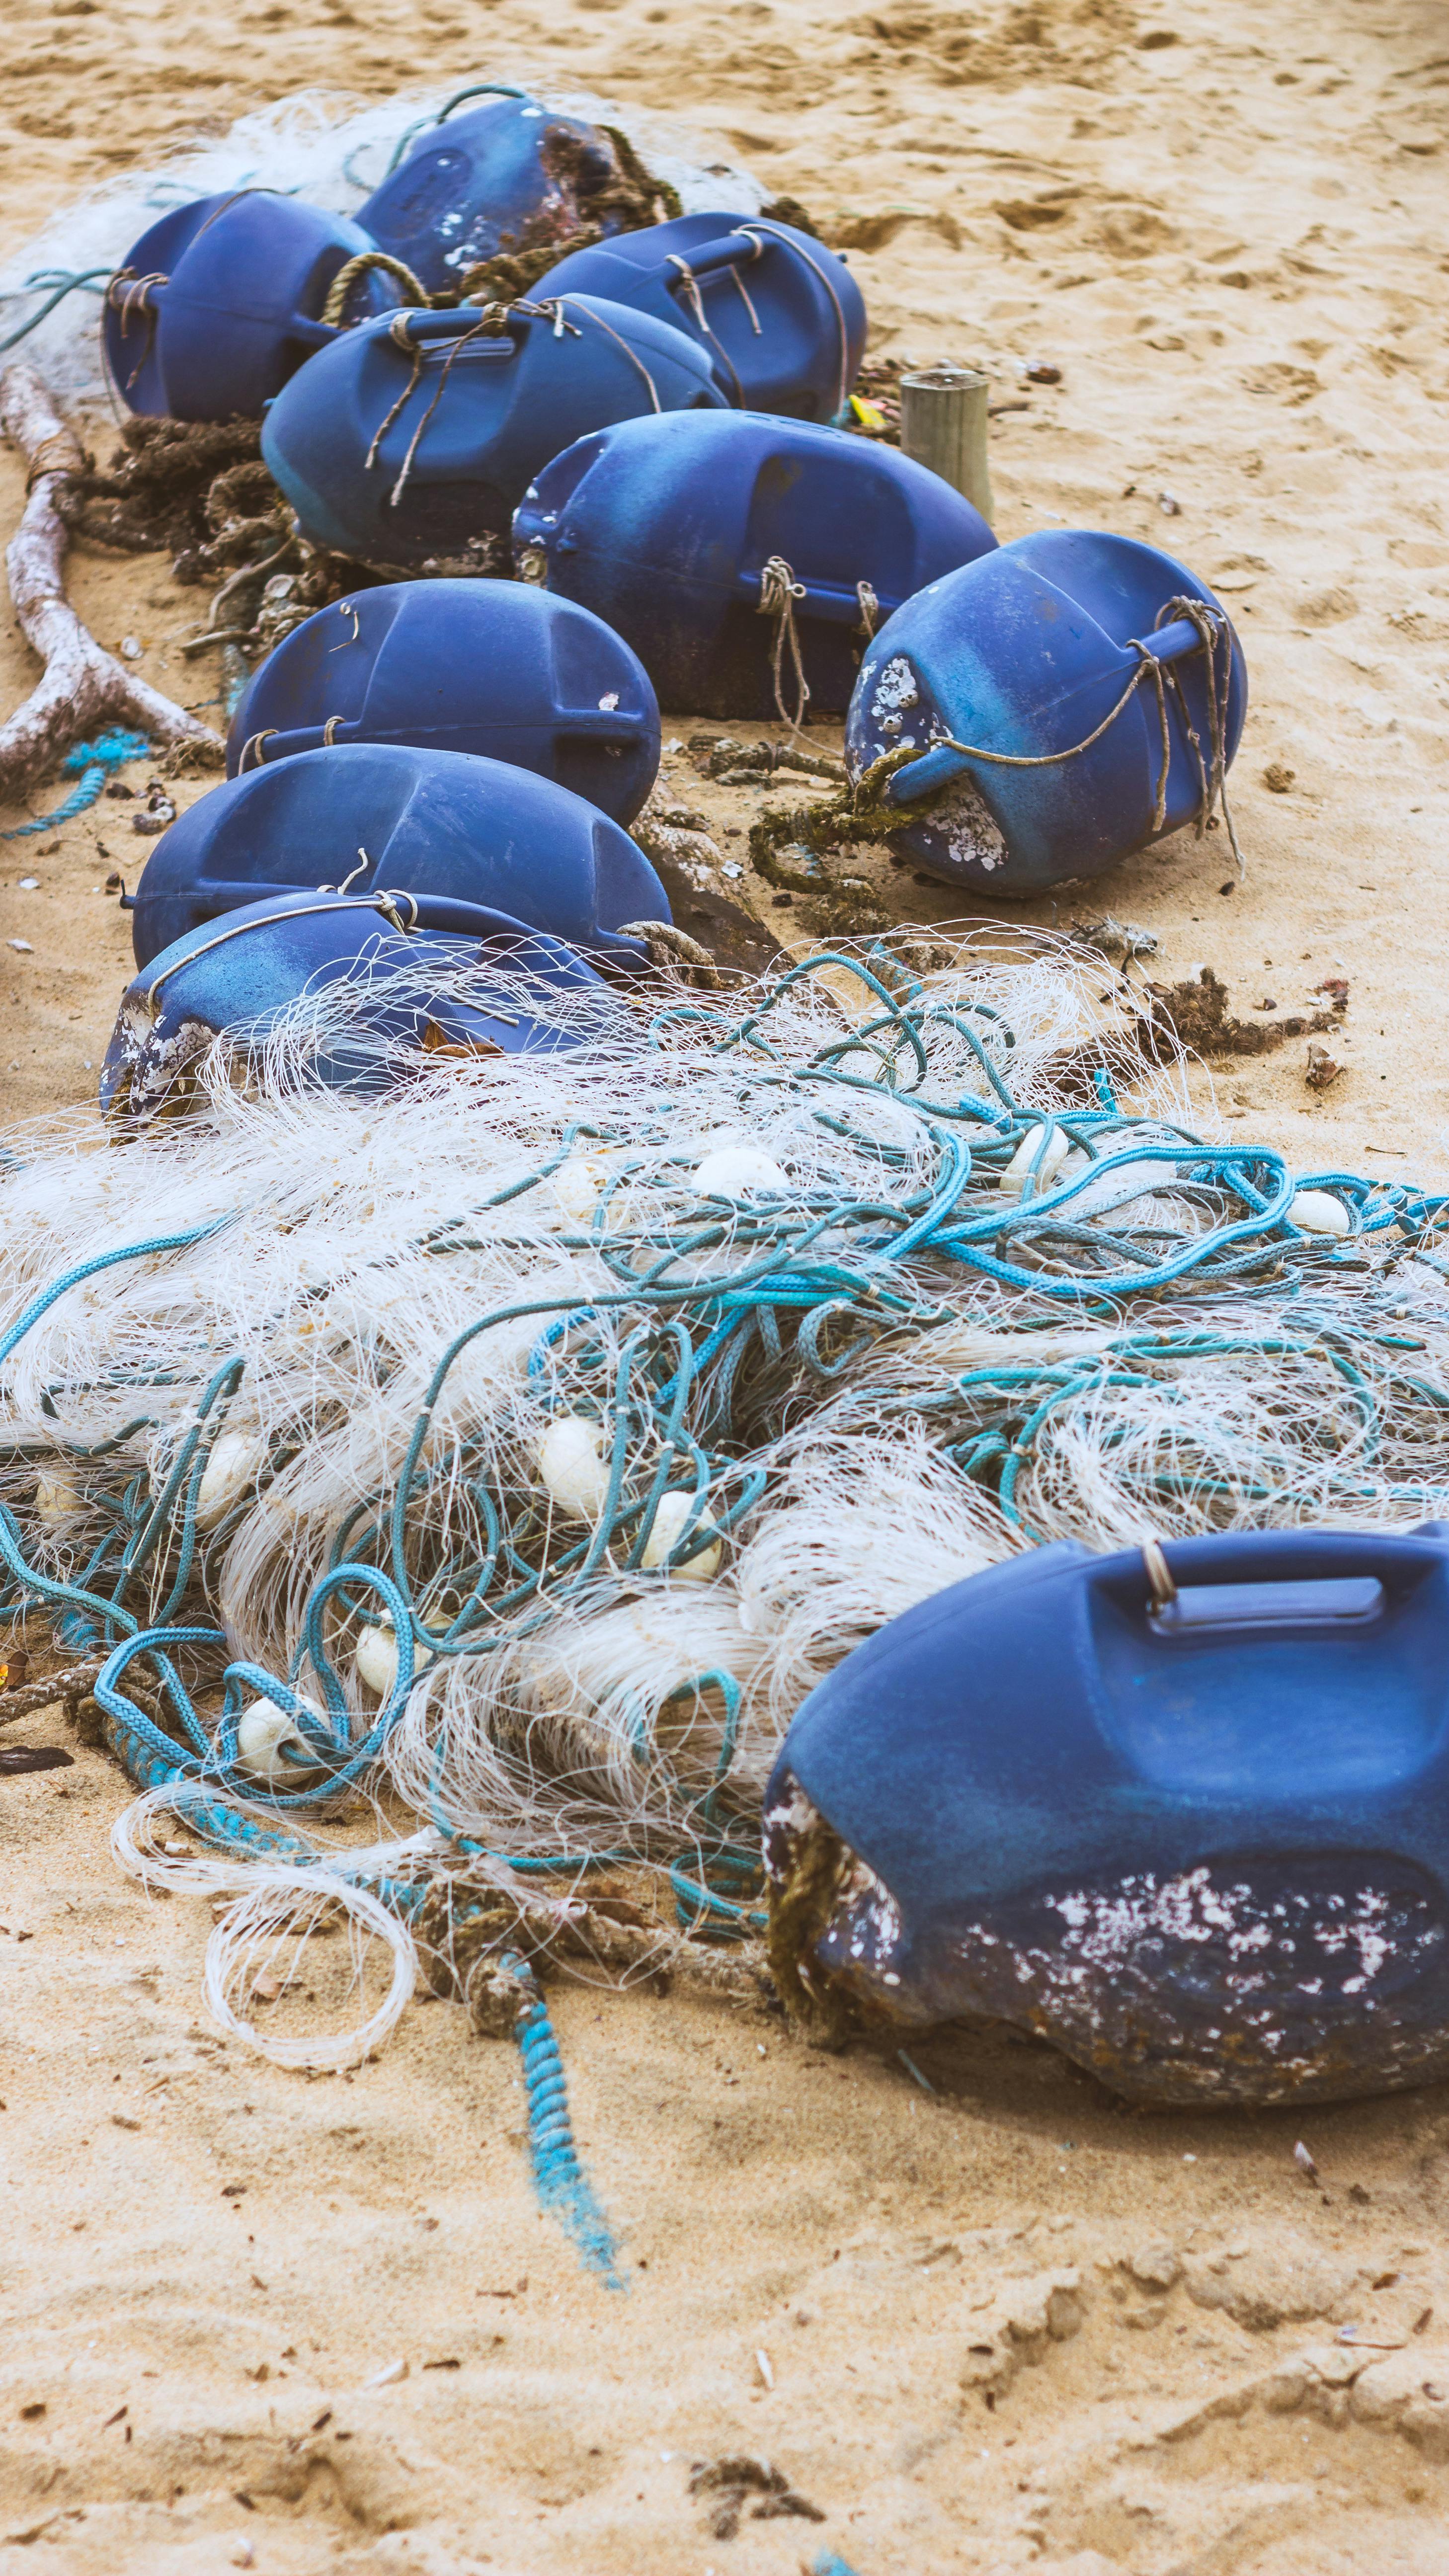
<point>83,689</point>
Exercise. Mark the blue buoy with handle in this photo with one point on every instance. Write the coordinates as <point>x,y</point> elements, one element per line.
<point>373,818</point>
<point>1183,1810</point>
<point>508,173</point>
<point>489,667</point>
<point>748,560</point>
<point>221,301</point>
<point>778,311</point>
<point>409,443</point>
<point>1045,711</point>
<point>421,969</point>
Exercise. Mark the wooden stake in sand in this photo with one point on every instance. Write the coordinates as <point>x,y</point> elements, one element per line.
<point>943,426</point>
<point>83,688</point>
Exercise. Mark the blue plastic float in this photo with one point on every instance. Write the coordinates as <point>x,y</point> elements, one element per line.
<point>476,835</point>
<point>703,538</point>
<point>1026,654</point>
<point>779,313</point>
<point>410,443</point>
<point>1183,1812</point>
<point>237,978</point>
<point>488,667</point>
<point>471,186</point>
<point>221,301</point>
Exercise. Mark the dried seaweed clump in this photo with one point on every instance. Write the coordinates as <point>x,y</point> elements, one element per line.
<point>1195,1014</point>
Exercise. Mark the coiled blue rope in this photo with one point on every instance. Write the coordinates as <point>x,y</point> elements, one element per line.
<point>559,2178</point>
<point>95,762</point>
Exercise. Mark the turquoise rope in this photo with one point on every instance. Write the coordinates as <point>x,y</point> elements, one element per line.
<point>55,284</point>
<point>95,762</point>
<point>710,1298</point>
<point>559,2178</point>
<point>477,89</point>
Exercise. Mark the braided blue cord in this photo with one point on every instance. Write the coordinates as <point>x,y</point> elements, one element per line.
<point>559,2179</point>
<point>54,284</point>
<point>95,761</point>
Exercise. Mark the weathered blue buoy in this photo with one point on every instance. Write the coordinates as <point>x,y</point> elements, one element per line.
<point>1183,1812</point>
<point>490,667</point>
<point>239,977</point>
<point>1052,640</point>
<point>503,175</point>
<point>380,818</point>
<point>778,312</point>
<point>221,301</point>
<point>716,542</point>
<point>410,443</point>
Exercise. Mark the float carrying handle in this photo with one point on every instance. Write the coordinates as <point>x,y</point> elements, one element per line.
<point>622,725</point>
<point>937,767</point>
<point>729,250</point>
<point>831,601</point>
<point>1171,643</point>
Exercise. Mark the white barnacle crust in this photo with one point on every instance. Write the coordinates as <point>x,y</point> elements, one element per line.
<point>971,832</point>
<point>896,688</point>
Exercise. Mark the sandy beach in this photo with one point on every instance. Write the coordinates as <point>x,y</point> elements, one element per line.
<point>980,2316</point>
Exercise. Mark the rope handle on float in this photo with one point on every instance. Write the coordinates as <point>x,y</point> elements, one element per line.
<point>1202,627</point>
<point>491,324</point>
<point>363,264</point>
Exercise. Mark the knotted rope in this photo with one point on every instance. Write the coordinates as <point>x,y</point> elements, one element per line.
<point>1211,626</point>
<point>361,265</point>
<point>690,286</point>
<point>492,324</point>
<point>862,812</point>
<point>666,944</point>
<point>779,591</point>
<point>127,295</point>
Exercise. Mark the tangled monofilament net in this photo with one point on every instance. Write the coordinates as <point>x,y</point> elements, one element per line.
<point>533,1433</point>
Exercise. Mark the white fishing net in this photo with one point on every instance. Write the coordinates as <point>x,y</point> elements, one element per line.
<point>653,1376</point>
